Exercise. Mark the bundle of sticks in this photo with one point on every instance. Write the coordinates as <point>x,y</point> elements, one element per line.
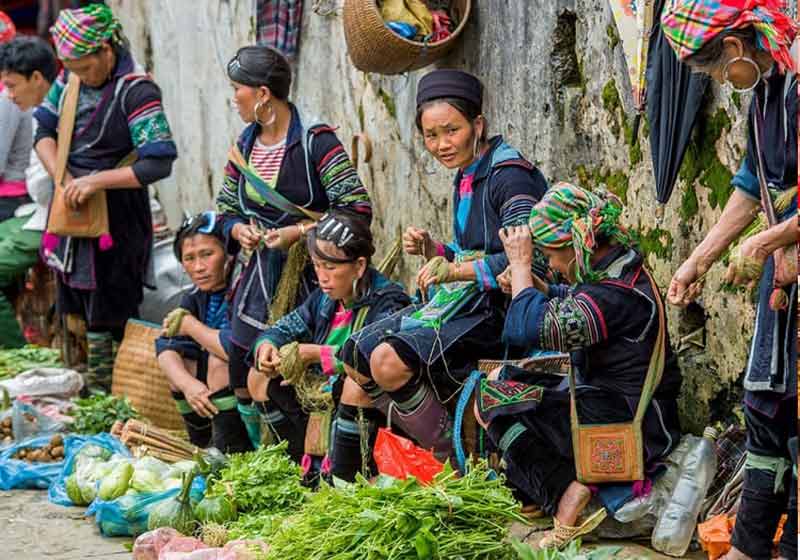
<point>146,440</point>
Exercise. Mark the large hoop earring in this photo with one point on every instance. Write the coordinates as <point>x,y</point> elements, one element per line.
<point>726,69</point>
<point>356,289</point>
<point>272,116</point>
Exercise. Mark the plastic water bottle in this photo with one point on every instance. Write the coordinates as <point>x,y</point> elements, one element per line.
<point>675,527</point>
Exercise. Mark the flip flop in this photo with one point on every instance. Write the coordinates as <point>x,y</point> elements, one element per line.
<point>562,535</point>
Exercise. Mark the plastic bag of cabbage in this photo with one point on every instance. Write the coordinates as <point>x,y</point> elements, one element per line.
<point>104,469</point>
<point>85,454</point>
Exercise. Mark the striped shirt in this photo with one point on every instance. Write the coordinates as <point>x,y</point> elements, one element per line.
<point>267,161</point>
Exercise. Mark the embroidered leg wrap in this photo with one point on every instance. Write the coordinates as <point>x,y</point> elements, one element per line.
<point>764,500</point>
<point>285,400</point>
<point>229,433</point>
<point>348,430</point>
<point>100,360</point>
<point>281,429</point>
<point>424,418</point>
<point>251,419</point>
<point>198,428</point>
<point>380,400</point>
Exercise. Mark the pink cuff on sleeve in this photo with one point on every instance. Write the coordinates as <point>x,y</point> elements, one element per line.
<point>440,249</point>
<point>327,360</point>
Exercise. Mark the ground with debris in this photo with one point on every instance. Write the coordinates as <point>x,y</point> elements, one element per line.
<point>35,529</point>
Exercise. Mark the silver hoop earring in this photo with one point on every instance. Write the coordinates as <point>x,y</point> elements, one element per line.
<point>749,60</point>
<point>356,295</point>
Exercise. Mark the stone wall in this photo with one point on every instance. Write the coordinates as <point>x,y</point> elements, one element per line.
<point>556,88</point>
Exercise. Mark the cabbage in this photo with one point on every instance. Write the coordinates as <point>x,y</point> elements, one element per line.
<point>73,490</point>
<point>216,509</point>
<point>146,481</point>
<point>116,484</point>
<point>180,468</point>
<point>175,512</point>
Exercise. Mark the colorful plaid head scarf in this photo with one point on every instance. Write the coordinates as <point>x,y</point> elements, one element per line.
<point>7,29</point>
<point>569,216</point>
<point>690,24</point>
<point>78,33</point>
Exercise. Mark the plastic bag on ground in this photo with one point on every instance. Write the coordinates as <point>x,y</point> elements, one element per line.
<point>76,446</point>
<point>41,382</point>
<point>127,515</point>
<point>17,475</point>
<point>147,546</point>
<point>234,550</point>
<point>28,421</point>
<point>180,547</point>
<point>398,457</point>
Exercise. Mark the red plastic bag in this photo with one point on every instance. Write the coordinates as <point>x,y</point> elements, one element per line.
<point>400,458</point>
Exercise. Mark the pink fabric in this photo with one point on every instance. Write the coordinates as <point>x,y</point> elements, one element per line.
<point>10,189</point>
<point>440,249</point>
<point>326,465</point>
<point>327,360</point>
<point>49,242</point>
<point>106,242</point>
<point>305,464</point>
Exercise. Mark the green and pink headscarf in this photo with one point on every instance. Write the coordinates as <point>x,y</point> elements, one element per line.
<point>569,216</point>
<point>81,32</point>
<point>690,24</point>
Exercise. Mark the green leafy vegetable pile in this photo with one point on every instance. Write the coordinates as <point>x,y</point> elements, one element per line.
<point>15,361</point>
<point>455,517</point>
<point>573,551</point>
<point>266,480</point>
<point>98,413</point>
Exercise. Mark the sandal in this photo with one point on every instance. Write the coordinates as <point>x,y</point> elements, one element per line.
<point>562,535</point>
<point>532,511</point>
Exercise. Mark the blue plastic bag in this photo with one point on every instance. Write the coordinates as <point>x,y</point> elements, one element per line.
<point>127,515</point>
<point>16,474</point>
<point>57,492</point>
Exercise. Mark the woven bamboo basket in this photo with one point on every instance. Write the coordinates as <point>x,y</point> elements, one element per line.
<point>373,47</point>
<point>138,377</point>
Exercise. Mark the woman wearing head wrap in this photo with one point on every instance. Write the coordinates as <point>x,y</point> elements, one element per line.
<point>119,113</point>
<point>746,43</point>
<point>351,294</point>
<point>193,348</point>
<point>281,168</point>
<point>608,320</point>
<point>419,358</point>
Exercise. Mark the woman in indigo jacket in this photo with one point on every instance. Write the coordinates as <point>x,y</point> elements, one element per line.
<point>119,114</point>
<point>747,45</point>
<point>418,359</point>
<point>194,346</point>
<point>608,320</point>
<point>351,294</point>
<point>289,169</point>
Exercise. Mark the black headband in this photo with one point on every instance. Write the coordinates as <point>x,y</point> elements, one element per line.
<point>449,83</point>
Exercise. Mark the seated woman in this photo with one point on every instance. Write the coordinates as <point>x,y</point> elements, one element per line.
<point>419,359</point>
<point>194,346</point>
<point>609,320</point>
<point>351,294</point>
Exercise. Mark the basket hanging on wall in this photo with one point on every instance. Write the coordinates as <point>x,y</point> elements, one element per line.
<point>373,47</point>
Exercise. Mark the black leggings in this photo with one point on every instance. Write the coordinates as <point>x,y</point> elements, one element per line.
<point>238,367</point>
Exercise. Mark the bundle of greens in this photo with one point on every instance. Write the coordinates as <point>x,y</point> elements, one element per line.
<point>15,361</point>
<point>266,479</point>
<point>573,551</point>
<point>98,413</point>
<point>455,517</point>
